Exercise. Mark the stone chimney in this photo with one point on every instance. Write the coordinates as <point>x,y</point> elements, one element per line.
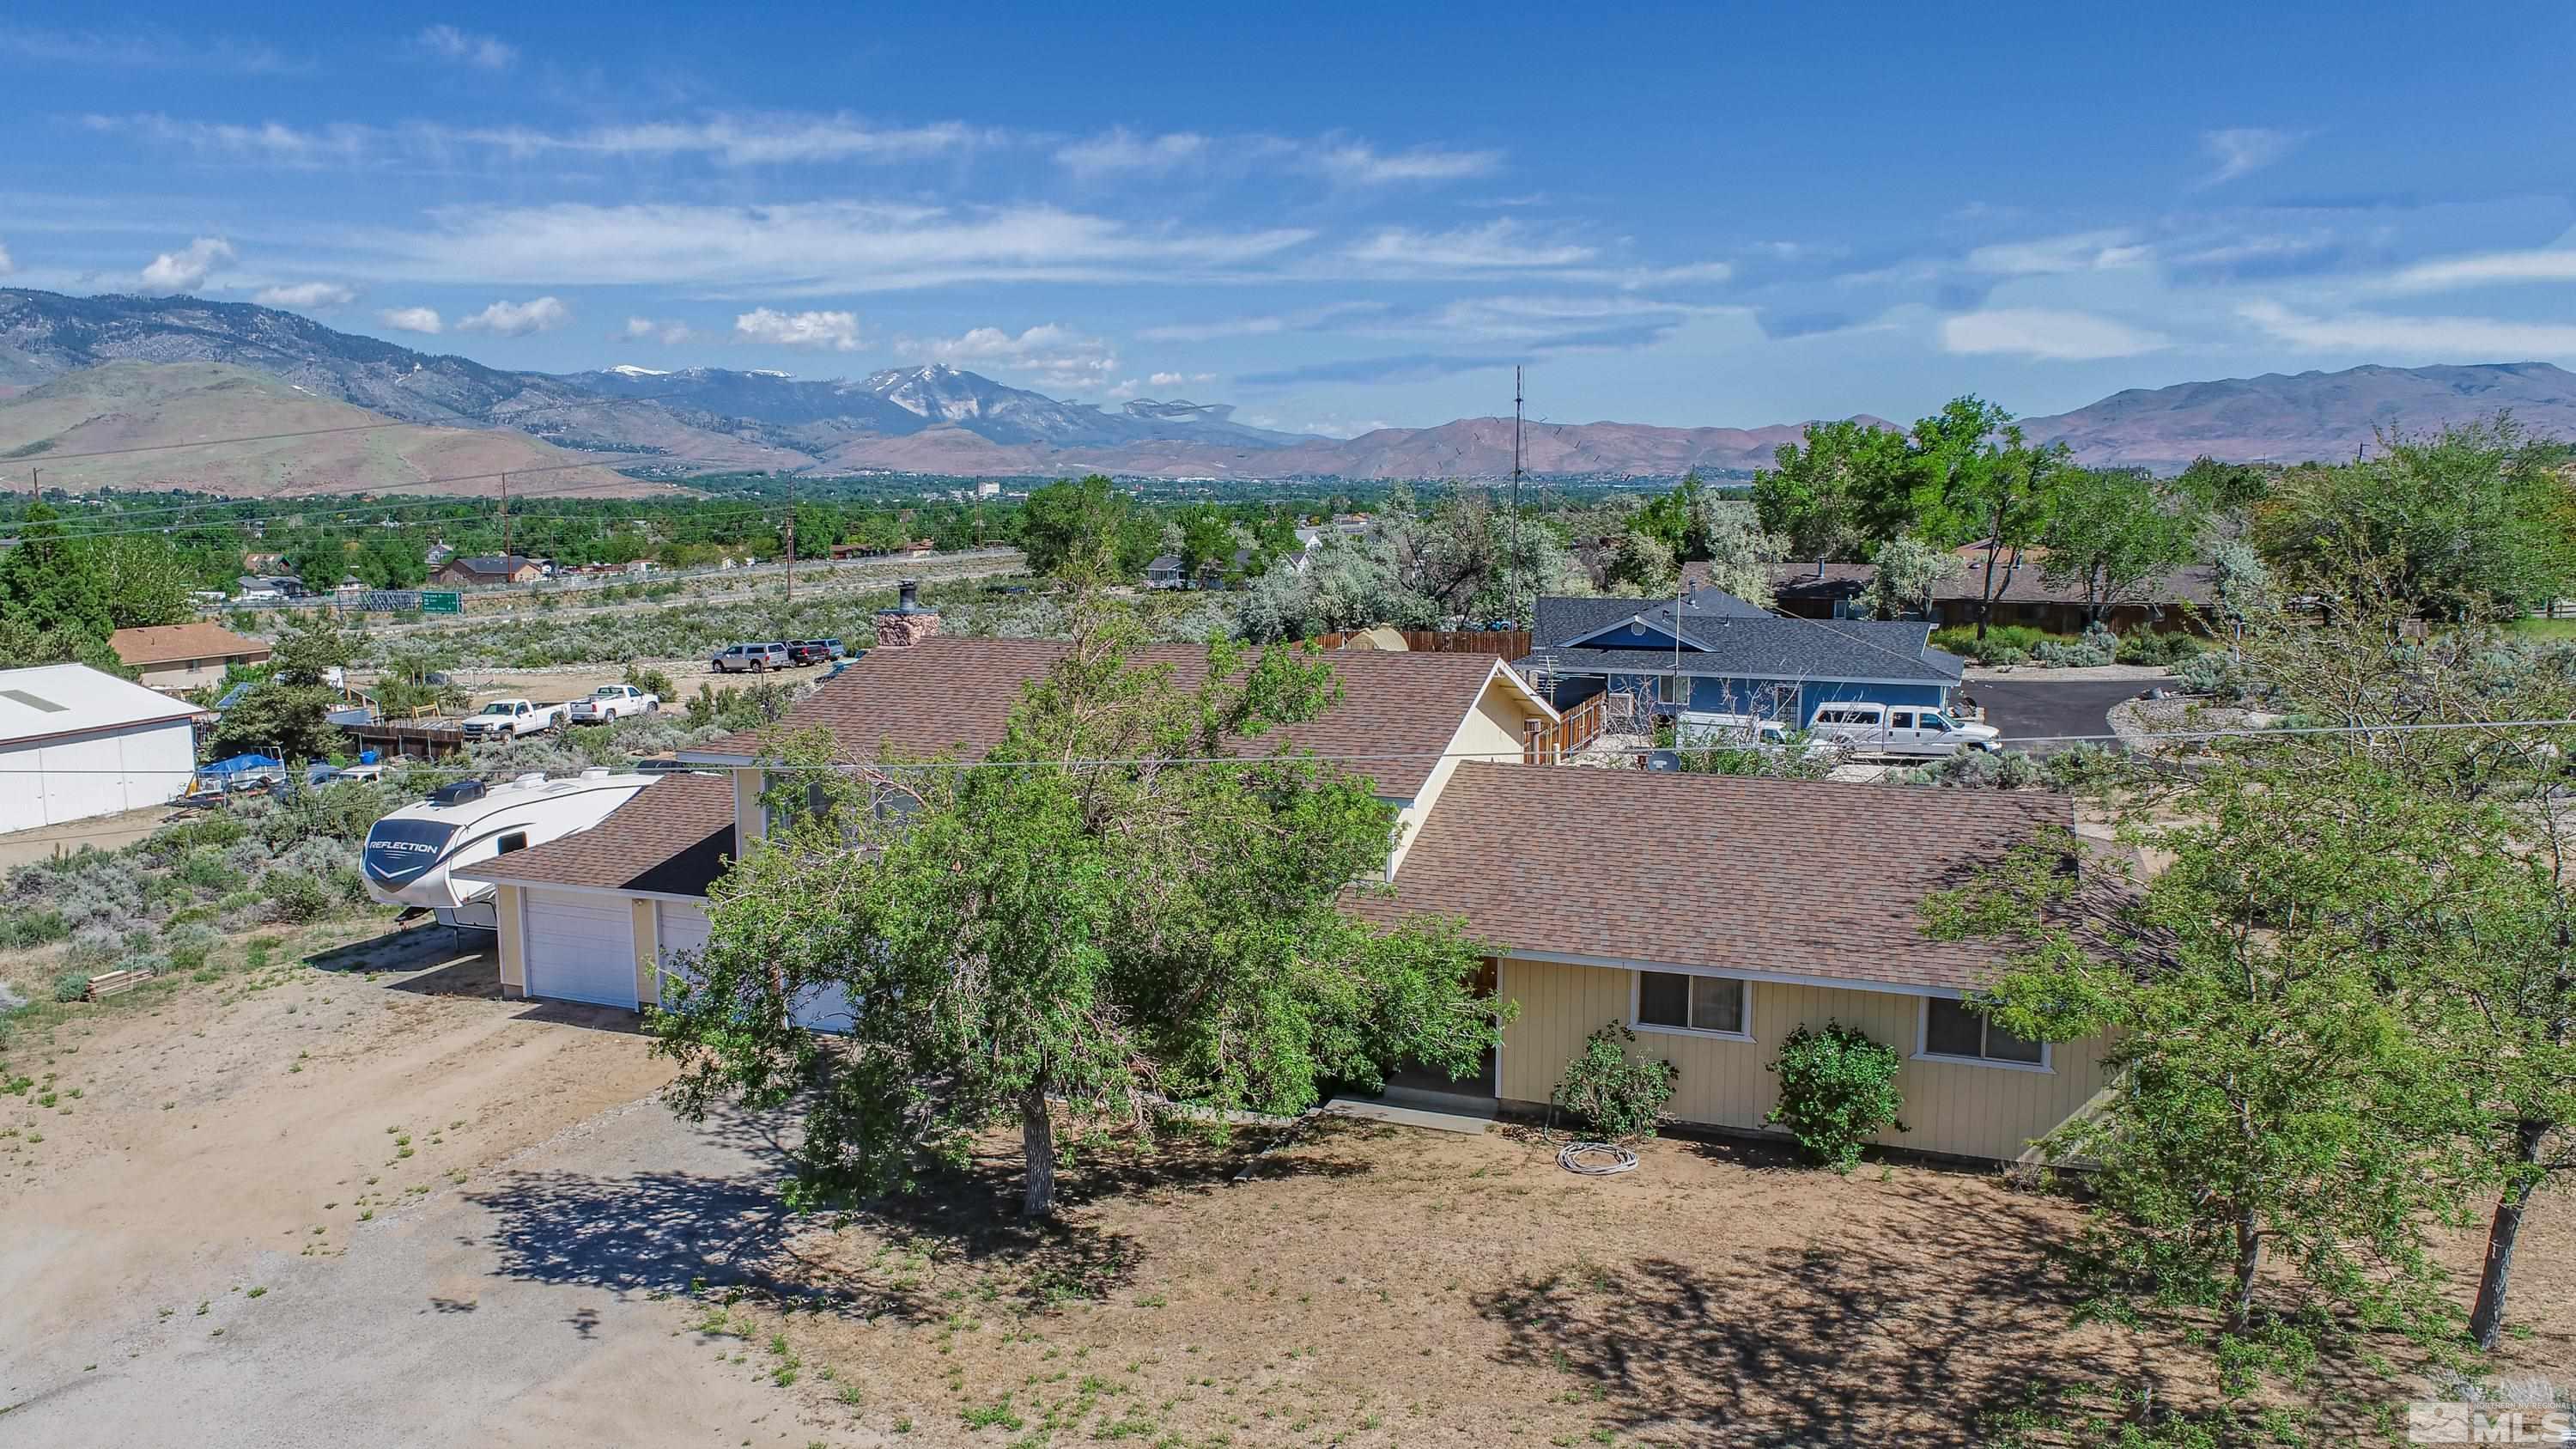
<point>908,622</point>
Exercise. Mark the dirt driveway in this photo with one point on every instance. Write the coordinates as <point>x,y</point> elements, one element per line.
<point>285,1209</point>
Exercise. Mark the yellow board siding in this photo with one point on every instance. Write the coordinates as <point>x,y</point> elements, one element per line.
<point>514,971</point>
<point>648,950</point>
<point>1491,731</point>
<point>1959,1108</point>
<point>750,820</point>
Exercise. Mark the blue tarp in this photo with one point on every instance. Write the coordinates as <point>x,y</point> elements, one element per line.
<point>240,764</point>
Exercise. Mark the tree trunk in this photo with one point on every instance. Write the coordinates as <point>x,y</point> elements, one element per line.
<point>1037,1148</point>
<point>2249,1262</point>
<point>2486,1321</point>
<point>1986,596</point>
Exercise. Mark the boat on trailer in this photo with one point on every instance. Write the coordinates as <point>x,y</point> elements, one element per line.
<point>411,855</point>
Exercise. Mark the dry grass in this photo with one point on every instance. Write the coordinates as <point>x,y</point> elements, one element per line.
<point>1381,1286</point>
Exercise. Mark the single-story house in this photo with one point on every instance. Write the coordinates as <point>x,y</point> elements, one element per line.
<point>79,743</point>
<point>1750,907</point>
<point>488,569</point>
<point>590,916</point>
<point>185,656</point>
<point>1711,651</point>
<point>2186,598</point>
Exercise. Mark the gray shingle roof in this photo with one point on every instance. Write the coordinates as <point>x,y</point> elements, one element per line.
<point>1776,648</point>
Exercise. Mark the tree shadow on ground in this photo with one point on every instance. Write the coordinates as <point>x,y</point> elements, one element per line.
<point>1902,1329</point>
<point>904,1254</point>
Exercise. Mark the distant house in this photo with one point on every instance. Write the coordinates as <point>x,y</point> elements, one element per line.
<point>487,568</point>
<point>185,656</point>
<point>256,562</point>
<point>1714,652</point>
<point>2182,599</point>
<point>78,743</point>
<point>436,554</point>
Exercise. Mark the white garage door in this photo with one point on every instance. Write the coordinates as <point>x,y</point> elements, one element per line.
<point>580,948</point>
<point>684,928</point>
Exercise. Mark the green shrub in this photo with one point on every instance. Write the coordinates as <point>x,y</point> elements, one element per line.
<point>2098,647</point>
<point>1837,1090</point>
<point>1613,1095</point>
<point>295,896</point>
<point>208,870</point>
<point>2003,644</point>
<point>71,986</point>
<point>188,944</point>
<point>2213,673</point>
<point>35,926</point>
<point>2157,646</point>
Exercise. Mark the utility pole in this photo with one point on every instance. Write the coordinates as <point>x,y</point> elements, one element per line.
<point>35,490</point>
<point>1511,575</point>
<point>791,540</point>
<point>505,521</point>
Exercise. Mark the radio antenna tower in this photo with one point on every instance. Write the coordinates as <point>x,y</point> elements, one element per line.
<point>1511,575</point>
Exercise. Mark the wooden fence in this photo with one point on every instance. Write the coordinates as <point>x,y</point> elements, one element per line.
<point>1502,643</point>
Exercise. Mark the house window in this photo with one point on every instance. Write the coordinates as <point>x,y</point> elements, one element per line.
<point>1951,1029</point>
<point>1672,689</point>
<point>1671,1001</point>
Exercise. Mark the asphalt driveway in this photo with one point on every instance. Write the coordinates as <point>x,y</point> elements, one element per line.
<point>2048,711</point>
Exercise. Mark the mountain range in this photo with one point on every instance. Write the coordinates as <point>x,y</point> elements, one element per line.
<point>84,369</point>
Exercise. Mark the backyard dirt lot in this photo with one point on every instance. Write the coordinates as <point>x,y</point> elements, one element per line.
<point>353,1196</point>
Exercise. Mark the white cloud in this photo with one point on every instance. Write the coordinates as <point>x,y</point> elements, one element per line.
<point>1495,245</point>
<point>186,269</point>
<point>1258,326</point>
<point>1125,389</point>
<point>727,139</point>
<point>412,319</point>
<point>838,331</point>
<point>268,141</point>
<point>140,48</point>
<point>2041,332</point>
<point>1055,355</point>
<point>1356,163</point>
<point>518,319</point>
<point>8,264</point>
<point>2463,339</point>
<point>310,296</point>
<point>483,52</point>
<point>2239,150</point>
<point>1177,379</point>
<point>1122,150</point>
<point>2088,251</point>
<point>647,329</point>
<point>2485,269</point>
<point>1340,159</point>
<point>810,247</point>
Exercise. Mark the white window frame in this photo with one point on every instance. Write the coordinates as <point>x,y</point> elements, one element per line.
<point>1636,991</point>
<point>2046,1065</point>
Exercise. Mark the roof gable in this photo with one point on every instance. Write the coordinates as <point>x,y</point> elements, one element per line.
<point>1776,647</point>
<point>673,838</point>
<point>1398,713</point>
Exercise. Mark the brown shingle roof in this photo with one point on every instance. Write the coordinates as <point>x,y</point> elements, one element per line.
<point>1798,877</point>
<point>673,837</point>
<point>955,692</point>
<point>170,643</point>
<point>2194,584</point>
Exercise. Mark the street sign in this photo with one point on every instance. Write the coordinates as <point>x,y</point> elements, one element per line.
<point>411,601</point>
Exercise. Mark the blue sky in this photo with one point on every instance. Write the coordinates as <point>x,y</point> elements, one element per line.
<point>1333,216</point>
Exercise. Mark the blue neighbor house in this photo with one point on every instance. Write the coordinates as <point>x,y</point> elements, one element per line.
<point>1715,653</point>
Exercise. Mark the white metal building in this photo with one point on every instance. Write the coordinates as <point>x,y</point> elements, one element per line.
<point>76,743</point>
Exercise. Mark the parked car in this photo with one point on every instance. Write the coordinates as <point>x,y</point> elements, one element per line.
<point>1881,729</point>
<point>833,648</point>
<point>511,718</point>
<point>801,652</point>
<point>325,774</point>
<point>613,701</point>
<point>751,658</point>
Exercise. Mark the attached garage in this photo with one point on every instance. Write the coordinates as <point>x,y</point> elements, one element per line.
<point>578,947</point>
<point>683,927</point>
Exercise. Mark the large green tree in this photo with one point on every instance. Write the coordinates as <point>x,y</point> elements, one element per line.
<point>1071,531</point>
<point>2116,534</point>
<point>286,715</point>
<point>1845,487</point>
<point>2272,1098</point>
<point>1095,919</point>
<point>2474,522</point>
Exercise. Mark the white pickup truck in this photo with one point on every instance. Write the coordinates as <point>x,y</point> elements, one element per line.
<point>1879,729</point>
<point>613,701</point>
<point>511,718</point>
